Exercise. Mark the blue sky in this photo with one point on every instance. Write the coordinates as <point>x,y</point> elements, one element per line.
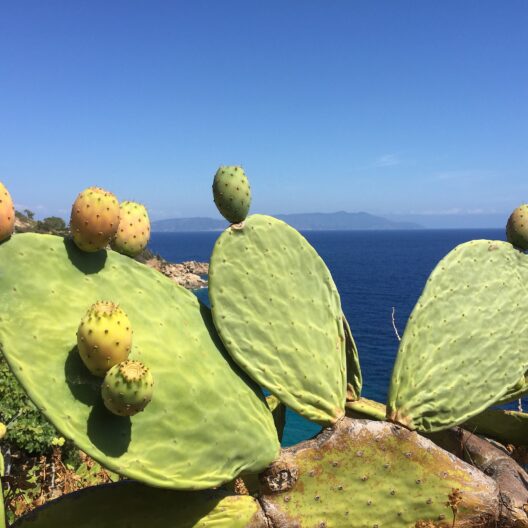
<point>390,107</point>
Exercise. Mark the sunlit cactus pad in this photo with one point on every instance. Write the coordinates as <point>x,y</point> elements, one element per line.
<point>374,474</point>
<point>131,505</point>
<point>278,312</point>
<point>465,345</point>
<point>206,423</point>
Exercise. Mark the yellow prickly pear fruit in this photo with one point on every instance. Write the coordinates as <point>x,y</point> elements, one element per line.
<point>104,337</point>
<point>133,232</point>
<point>3,430</point>
<point>127,388</point>
<point>94,219</point>
<point>7,214</point>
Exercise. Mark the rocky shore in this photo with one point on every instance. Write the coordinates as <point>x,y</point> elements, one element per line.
<point>188,274</point>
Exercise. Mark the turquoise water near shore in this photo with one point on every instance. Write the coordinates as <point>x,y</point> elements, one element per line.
<point>374,271</point>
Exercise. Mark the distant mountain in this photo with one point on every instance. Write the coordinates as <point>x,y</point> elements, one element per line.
<point>340,221</point>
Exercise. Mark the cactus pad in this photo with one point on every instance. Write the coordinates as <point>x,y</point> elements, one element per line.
<point>133,233</point>
<point>374,474</point>
<point>104,337</point>
<point>278,312</point>
<point>127,388</point>
<point>354,377</point>
<point>94,219</point>
<point>131,505</point>
<point>232,193</point>
<point>187,439</point>
<point>7,213</point>
<point>465,344</point>
<point>508,427</point>
<point>517,227</point>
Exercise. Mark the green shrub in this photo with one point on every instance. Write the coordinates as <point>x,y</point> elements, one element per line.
<point>27,429</point>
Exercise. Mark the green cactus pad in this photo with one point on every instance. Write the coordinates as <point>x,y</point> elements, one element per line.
<point>354,377</point>
<point>509,427</point>
<point>131,505</point>
<point>465,344</point>
<point>279,414</point>
<point>365,474</point>
<point>519,390</point>
<point>365,408</point>
<point>278,312</point>
<point>186,438</point>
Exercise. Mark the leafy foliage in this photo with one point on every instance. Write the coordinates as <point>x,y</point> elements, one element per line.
<point>27,429</point>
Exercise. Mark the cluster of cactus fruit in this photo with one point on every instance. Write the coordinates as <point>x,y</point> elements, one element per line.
<point>275,322</point>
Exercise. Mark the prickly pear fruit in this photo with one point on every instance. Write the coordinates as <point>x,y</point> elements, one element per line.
<point>3,430</point>
<point>104,337</point>
<point>94,219</point>
<point>127,388</point>
<point>232,193</point>
<point>133,232</point>
<point>517,227</point>
<point>7,214</point>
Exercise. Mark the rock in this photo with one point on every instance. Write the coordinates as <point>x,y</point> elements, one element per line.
<point>186,274</point>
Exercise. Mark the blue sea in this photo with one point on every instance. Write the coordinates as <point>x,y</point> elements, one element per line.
<point>374,272</point>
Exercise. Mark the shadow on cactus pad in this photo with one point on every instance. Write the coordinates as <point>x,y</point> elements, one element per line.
<point>207,422</point>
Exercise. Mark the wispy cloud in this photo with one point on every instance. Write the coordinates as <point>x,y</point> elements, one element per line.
<point>387,160</point>
<point>383,161</point>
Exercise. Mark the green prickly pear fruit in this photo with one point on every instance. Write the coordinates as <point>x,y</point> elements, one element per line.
<point>232,193</point>
<point>7,214</point>
<point>94,219</point>
<point>133,232</point>
<point>3,430</point>
<point>104,337</point>
<point>517,227</point>
<point>127,388</point>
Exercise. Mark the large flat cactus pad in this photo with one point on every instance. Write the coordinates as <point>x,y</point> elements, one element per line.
<point>278,312</point>
<point>465,345</point>
<point>131,505</point>
<point>207,421</point>
<point>374,474</point>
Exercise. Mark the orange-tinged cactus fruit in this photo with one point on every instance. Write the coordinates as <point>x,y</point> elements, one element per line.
<point>94,219</point>
<point>7,214</point>
<point>133,232</point>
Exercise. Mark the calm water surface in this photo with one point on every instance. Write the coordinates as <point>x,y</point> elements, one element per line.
<point>374,271</point>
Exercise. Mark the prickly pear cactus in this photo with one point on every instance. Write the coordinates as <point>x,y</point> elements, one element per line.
<point>94,219</point>
<point>133,233</point>
<point>104,337</point>
<point>464,347</point>
<point>3,430</point>
<point>279,414</point>
<point>353,368</point>
<point>195,433</point>
<point>131,505</point>
<point>508,427</point>
<point>374,474</point>
<point>127,388</point>
<point>517,227</point>
<point>278,312</point>
<point>232,193</point>
<point>7,213</point>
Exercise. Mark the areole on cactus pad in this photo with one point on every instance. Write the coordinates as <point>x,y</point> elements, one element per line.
<point>278,312</point>
<point>464,347</point>
<point>207,422</point>
<point>132,505</point>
